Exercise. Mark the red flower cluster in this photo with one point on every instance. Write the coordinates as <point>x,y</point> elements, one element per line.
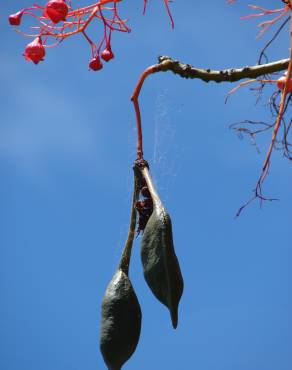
<point>95,63</point>
<point>71,22</point>
<point>58,20</point>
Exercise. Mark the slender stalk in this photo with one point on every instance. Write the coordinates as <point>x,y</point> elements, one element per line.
<point>134,98</point>
<point>126,255</point>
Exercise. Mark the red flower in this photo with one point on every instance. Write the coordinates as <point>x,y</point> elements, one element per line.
<point>15,19</point>
<point>35,51</point>
<point>56,10</point>
<point>95,64</point>
<point>107,54</point>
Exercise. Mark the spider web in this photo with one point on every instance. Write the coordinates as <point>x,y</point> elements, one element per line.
<point>166,154</point>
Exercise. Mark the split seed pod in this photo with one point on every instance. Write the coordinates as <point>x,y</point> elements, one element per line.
<point>121,312</point>
<point>161,267</point>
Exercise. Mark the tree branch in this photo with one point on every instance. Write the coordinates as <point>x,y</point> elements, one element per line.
<point>188,71</point>
<point>226,75</point>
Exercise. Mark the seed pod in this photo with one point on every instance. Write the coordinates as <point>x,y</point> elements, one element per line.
<point>121,312</point>
<point>121,321</point>
<point>161,268</point>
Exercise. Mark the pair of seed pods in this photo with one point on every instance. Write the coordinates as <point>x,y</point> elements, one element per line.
<point>121,312</point>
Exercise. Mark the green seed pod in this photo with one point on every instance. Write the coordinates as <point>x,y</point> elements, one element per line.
<point>161,268</point>
<point>121,313</point>
<point>121,321</point>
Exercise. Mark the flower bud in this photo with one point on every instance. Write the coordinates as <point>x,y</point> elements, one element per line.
<point>107,54</point>
<point>56,10</point>
<point>35,51</point>
<point>15,19</point>
<point>95,64</point>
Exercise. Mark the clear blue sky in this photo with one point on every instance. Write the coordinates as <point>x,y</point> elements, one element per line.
<point>67,143</point>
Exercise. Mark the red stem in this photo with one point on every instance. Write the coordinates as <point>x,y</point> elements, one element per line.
<point>169,12</point>
<point>134,98</point>
<point>92,44</point>
<point>145,6</point>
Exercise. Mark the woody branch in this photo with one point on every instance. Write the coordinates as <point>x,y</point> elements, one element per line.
<point>166,63</point>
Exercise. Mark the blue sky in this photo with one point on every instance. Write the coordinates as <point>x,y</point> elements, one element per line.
<point>67,143</point>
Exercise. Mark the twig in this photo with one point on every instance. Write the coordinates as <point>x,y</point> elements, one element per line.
<point>276,34</point>
<point>282,107</point>
<point>279,118</point>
